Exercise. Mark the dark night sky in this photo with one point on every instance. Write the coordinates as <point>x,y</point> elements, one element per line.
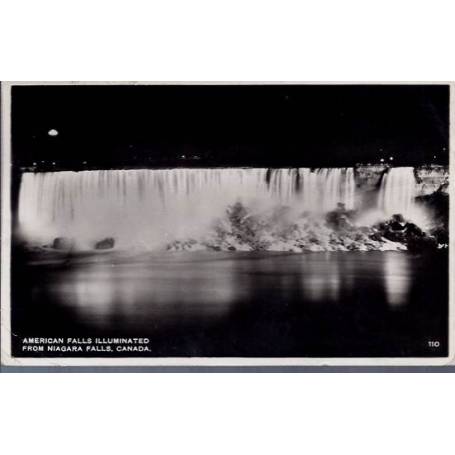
<point>116,126</point>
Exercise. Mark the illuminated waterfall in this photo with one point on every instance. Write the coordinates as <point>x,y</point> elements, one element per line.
<point>148,208</point>
<point>397,192</point>
<point>316,190</point>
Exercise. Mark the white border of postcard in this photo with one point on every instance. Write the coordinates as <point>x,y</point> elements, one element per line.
<point>8,360</point>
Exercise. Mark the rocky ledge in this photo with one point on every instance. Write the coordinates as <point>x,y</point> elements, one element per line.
<point>280,230</point>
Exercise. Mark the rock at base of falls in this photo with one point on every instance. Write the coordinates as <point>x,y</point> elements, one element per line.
<point>62,243</point>
<point>340,218</point>
<point>242,230</point>
<point>105,244</point>
<point>399,230</point>
<point>438,203</point>
<point>186,245</point>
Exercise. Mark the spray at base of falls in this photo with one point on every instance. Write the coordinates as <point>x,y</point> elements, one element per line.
<point>149,209</point>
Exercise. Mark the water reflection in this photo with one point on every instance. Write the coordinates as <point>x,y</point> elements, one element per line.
<point>139,291</point>
<point>321,277</point>
<point>181,288</point>
<point>397,278</point>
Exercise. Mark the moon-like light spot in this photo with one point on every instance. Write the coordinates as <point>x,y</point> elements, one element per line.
<point>52,132</point>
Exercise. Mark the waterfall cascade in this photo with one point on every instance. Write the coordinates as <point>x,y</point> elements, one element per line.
<point>316,190</point>
<point>151,207</point>
<point>397,192</point>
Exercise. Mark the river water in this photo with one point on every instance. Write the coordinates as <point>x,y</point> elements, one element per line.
<point>234,304</point>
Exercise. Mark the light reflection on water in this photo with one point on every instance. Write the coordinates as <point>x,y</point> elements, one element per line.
<point>179,288</point>
<point>321,279</point>
<point>397,278</point>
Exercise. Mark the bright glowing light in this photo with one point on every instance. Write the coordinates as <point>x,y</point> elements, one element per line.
<point>52,133</point>
<point>391,158</point>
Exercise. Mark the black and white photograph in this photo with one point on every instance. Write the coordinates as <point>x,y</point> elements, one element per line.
<point>236,223</point>
<point>227,227</point>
